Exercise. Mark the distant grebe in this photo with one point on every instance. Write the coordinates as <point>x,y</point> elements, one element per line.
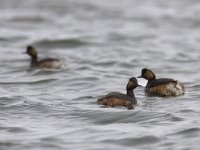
<point>127,100</point>
<point>162,86</point>
<point>50,63</point>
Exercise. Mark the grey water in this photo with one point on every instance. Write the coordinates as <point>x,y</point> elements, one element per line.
<point>103,43</point>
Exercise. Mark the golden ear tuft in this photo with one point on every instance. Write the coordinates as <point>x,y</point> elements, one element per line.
<point>149,75</point>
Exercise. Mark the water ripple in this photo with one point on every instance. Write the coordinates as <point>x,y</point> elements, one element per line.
<point>62,43</point>
<point>103,43</point>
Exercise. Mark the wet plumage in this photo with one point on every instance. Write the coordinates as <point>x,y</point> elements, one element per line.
<point>162,86</point>
<point>51,63</point>
<point>127,100</point>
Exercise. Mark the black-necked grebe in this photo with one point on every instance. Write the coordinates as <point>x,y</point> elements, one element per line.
<point>50,63</point>
<point>127,100</point>
<point>162,86</point>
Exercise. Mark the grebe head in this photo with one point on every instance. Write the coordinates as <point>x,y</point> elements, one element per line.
<point>30,50</point>
<point>147,74</point>
<point>132,84</point>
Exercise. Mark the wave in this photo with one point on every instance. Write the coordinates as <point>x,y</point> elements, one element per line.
<point>61,43</point>
<point>28,81</point>
<point>188,132</point>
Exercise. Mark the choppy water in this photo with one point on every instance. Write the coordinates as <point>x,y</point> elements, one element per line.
<point>103,43</point>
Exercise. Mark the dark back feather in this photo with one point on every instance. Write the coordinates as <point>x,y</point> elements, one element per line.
<point>160,81</point>
<point>119,95</point>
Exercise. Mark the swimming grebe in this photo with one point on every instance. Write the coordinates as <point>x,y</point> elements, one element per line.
<point>118,99</point>
<point>162,86</point>
<point>50,63</point>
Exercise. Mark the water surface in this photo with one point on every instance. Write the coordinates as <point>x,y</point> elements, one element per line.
<point>103,43</point>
